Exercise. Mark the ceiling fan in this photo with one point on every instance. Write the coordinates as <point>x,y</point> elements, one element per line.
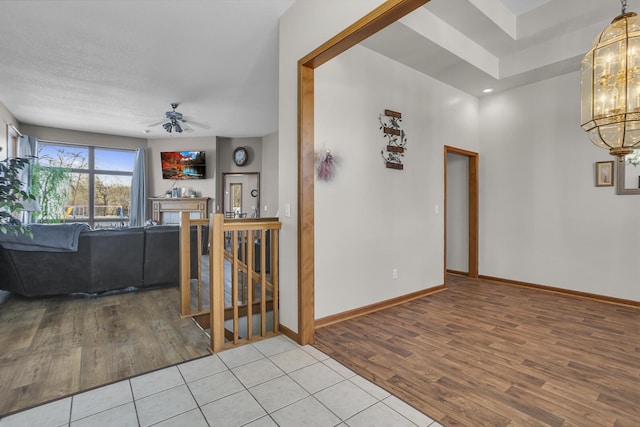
<point>174,121</point>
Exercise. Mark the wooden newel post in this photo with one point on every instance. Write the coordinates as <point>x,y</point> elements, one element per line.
<point>216,275</point>
<point>185,264</point>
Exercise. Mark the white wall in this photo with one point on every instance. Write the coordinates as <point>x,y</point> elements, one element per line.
<point>225,163</point>
<point>303,28</point>
<point>248,182</point>
<point>457,212</point>
<point>85,138</point>
<point>157,186</point>
<point>269,176</point>
<point>542,219</point>
<point>370,220</point>
<point>6,117</point>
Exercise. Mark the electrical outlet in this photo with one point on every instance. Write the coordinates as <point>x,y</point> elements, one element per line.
<point>394,273</point>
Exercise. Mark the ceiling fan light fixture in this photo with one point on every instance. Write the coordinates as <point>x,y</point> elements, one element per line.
<point>174,121</point>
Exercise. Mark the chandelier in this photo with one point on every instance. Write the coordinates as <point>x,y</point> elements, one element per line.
<point>610,86</point>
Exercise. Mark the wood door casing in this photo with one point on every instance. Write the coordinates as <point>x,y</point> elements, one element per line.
<point>473,208</point>
<point>384,15</point>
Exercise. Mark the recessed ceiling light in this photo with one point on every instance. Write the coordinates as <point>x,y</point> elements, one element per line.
<point>489,90</point>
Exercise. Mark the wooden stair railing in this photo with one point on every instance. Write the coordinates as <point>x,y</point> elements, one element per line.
<point>186,222</point>
<point>250,246</point>
<point>241,254</point>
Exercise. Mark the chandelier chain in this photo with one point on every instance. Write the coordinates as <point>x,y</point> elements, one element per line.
<point>624,6</point>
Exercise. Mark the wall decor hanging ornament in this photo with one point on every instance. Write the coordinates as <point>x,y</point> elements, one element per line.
<point>396,139</point>
<point>326,167</point>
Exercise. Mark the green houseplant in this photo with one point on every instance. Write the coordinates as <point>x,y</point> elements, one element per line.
<point>12,195</point>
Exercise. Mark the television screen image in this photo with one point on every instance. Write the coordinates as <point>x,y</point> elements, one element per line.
<point>183,165</point>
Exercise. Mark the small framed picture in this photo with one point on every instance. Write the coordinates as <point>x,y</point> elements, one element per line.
<point>604,174</point>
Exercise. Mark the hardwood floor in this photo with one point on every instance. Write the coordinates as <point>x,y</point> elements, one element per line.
<point>54,347</point>
<point>488,354</point>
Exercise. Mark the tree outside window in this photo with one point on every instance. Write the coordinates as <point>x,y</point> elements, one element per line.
<point>77,183</point>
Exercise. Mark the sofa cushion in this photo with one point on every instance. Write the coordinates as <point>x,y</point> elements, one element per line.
<point>162,254</point>
<point>116,258</point>
<point>50,273</point>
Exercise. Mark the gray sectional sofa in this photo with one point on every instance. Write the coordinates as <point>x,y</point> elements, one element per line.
<point>105,260</point>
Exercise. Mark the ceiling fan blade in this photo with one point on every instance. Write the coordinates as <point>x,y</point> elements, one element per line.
<point>196,124</point>
<point>158,123</point>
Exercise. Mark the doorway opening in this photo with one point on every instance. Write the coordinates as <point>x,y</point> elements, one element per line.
<point>461,210</point>
<point>241,195</point>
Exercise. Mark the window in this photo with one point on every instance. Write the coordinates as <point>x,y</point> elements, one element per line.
<point>77,183</point>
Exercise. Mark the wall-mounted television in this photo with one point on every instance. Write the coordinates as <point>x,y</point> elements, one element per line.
<point>183,165</point>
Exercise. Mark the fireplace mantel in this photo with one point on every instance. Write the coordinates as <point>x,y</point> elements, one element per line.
<point>167,210</point>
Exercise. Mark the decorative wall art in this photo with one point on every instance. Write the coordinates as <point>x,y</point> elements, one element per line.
<point>236,197</point>
<point>604,174</point>
<point>628,172</point>
<point>326,166</point>
<point>396,139</point>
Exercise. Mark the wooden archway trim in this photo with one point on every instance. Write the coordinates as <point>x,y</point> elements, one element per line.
<point>384,15</point>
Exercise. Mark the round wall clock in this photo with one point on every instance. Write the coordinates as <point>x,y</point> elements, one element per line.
<point>240,156</point>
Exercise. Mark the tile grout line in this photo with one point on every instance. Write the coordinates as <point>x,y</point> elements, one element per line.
<point>192,396</point>
<point>247,389</point>
<point>133,399</point>
<point>345,377</point>
<point>70,411</point>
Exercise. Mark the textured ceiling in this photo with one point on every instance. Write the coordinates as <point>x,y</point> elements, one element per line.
<point>114,67</point>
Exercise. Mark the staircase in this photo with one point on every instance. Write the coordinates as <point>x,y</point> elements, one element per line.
<point>235,291</point>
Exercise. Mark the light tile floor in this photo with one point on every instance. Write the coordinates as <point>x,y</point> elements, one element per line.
<point>274,382</point>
